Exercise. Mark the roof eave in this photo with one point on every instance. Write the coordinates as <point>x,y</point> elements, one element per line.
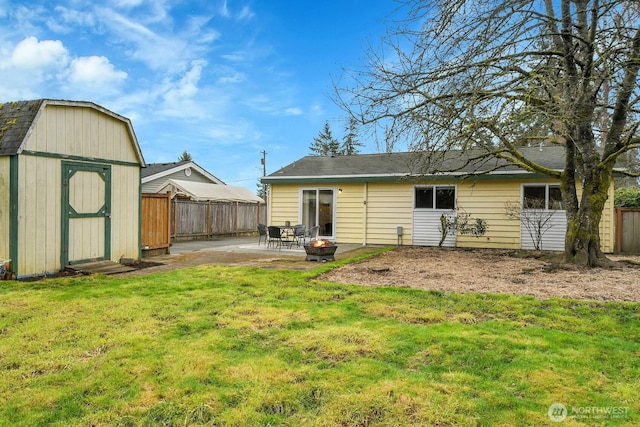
<point>397,177</point>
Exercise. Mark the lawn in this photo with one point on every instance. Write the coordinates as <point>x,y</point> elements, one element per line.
<point>222,345</point>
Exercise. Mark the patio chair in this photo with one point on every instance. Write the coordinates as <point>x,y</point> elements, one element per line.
<point>299,234</point>
<point>312,233</point>
<point>262,233</point>
<point>277,237</point>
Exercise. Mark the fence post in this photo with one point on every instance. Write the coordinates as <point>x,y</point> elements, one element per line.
<point>208,218</point>
<point>618,244</point>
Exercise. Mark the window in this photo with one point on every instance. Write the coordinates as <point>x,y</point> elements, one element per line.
<point>435,197</point>
<point>542,196</point>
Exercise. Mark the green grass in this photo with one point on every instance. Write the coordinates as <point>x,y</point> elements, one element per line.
<point>247,346</point>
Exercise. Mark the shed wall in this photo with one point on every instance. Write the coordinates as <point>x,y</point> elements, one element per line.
<point>4,208</point>
<point>83,132</point>
<point>125,209</point>
<point>39,215</point>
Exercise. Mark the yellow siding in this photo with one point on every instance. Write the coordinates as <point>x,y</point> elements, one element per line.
<point>486,200</point>
<point>84,132</point>
<point>389,205</point>
<point>350,213</point>
<point>125,212</point>
<point>39,214</point>
<point>4,208</point>
<point>283,205</point>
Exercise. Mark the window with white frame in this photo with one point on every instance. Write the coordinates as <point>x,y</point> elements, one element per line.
<point>435,197</point>
<point>542,196</point>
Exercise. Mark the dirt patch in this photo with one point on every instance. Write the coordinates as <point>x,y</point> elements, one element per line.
<point>493,271</point>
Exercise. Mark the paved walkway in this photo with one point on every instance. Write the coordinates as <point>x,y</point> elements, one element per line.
<point>241,251</point>
<point>246,244</point>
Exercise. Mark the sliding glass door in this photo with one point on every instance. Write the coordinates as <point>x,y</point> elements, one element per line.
<point>318,209</point>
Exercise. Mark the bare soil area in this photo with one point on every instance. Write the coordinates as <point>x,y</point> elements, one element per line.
<point>493,271</point>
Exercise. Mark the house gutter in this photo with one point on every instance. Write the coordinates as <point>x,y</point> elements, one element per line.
<point>334,179</point>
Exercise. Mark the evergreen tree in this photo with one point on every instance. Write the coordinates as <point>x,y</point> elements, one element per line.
<point>349,143</point>
<point>325,144</point>
<point>185,157</point>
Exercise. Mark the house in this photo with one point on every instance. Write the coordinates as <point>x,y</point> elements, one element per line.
<point>70,173</point>
<point>186,179</point>
<point>389,199</point>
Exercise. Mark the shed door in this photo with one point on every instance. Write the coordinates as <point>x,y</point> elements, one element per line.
<point>86,212</point>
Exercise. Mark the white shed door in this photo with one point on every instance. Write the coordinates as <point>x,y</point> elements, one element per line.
<point>86,222</point>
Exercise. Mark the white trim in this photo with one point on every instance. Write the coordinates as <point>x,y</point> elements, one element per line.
<point>334,207</point>
<point>546,192</point>
<point>394,175</point>
<point>435,186</point>
<point>179,168</point>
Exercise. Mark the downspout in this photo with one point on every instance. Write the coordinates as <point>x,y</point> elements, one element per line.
<point>364,213</point>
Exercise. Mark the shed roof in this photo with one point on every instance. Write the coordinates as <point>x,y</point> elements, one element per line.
<point>407,164</point>
<point>17,119</point>
<point>202,191</point>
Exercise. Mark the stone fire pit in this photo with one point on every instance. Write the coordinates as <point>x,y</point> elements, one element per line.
<point>320,250</point>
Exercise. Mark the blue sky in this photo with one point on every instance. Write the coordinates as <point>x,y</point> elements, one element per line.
<point>223,80</point>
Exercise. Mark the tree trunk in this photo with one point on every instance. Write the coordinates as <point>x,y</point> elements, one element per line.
<point>582,243</point>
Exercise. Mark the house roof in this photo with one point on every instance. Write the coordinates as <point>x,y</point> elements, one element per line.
<point>393,166</point>
<point>204,191</point>
<point>17,119</point>
<point>154,171</point>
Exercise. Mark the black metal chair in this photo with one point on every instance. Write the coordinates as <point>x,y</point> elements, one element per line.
<point>262,233</point>
<point>299,234</point>
<point>277,237</point>
<point>312,233</point>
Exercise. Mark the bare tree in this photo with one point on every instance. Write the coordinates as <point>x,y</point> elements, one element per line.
<point>495,74</point>
<point>535,219</point>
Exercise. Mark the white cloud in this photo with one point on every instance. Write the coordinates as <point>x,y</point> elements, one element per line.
<point>65,20</point>
<point>33,54</point>
<point>246,14</point>
<point>293,111</point>
<point>94,70</point>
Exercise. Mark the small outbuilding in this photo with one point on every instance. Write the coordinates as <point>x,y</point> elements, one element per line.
<point>70,173</point>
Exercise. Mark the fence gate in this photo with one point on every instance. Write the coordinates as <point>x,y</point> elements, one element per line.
<point>627,231</point>
<point>156,222</point>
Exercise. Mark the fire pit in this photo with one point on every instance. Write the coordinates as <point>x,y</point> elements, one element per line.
<point>320,250</point>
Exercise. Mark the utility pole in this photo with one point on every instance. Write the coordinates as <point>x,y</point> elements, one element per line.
<point>264,163</point>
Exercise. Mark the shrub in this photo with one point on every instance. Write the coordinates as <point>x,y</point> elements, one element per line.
<point>627,197</point>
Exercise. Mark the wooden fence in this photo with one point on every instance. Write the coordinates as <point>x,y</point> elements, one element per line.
<point>627,231</point>
<point>190,219</point>
<point>156,222</point>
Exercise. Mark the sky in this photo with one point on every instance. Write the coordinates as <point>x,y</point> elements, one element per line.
<point>221,79</point>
